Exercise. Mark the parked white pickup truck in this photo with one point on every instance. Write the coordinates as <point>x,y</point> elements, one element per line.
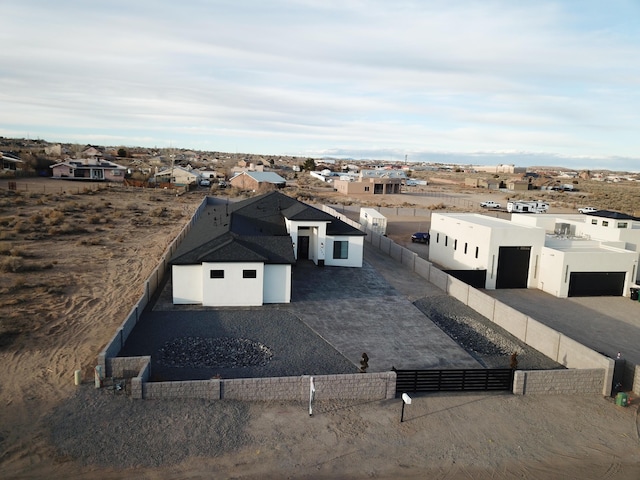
<point>489,204</point>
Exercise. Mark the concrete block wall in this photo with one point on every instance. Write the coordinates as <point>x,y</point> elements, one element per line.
<point>205,389</point>
<point>276,388</point>
<point>395,251</point>
<point>126,367</point>
<point>365,386</point>
<point>558,382</point>
<point>458,289</point>
<point>636,379</point>
<point>408,259</point>
<point>357,386</point>
<point>422,267</point>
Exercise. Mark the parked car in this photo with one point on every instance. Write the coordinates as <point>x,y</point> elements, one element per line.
<point>489,204</point>
<point>205,182</point>
<point>421,237</point>
<point>587,209</point>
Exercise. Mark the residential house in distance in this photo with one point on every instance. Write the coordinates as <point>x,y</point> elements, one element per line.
<point>9,164</point>
<point>563,255</point>
<point>242,254</point>
<point>373,182</point>
<point>88,169</point>
<point>178,176</point>
<point>255,180</point>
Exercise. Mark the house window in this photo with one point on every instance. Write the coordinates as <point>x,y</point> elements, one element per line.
<point>465,247</point>
<point>605,223</point>
<point>622,224</point>
<point>216,273</point>
<point>341,250</point>
<point>477,249</point>
<point>446,240</point>
<point>437,238</point>
<point>366,189</point>
<point>594,222</point>
<point>455,244</point>
<point>249,274</point>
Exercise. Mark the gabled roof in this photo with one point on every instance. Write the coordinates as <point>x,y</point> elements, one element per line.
<point>613,215</point>
<point>264,177</point>
<point>252,230</point>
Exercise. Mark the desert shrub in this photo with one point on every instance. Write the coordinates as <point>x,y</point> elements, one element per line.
<point>94,219</point>
<point>5,248</point>
<point>11,264</point>
<point>158,212</point>
<point>54,217</point>
<point>36,218</point>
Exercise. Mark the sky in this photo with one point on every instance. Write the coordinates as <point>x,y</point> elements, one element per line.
<point>451,81</point>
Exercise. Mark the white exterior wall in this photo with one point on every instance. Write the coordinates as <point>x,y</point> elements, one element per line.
<point>356,247</point>
<point>486,233</point>
<point>277,284</point>
<point>317,238</point>
<point>373,220</point>
<point>186,284</point>
<point>232,290</point>
<point>583,256</point>
<point>452,228</point>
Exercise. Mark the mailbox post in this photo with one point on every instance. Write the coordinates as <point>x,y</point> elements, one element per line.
<point>406,400</point>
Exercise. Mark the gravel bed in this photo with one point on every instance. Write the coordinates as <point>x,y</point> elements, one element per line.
<point>234,343</point>
<point>487,342</point>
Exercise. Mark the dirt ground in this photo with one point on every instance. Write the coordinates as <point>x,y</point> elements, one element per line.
<point>73,263</point>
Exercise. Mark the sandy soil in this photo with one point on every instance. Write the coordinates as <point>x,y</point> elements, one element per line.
<point>81,259</point>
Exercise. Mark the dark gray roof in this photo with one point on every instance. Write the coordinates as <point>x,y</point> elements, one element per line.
<point>613,215</point>
<point>252,230</point>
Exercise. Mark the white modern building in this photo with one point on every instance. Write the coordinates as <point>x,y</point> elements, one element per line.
<point>570,255</point>
<point>242,254</point>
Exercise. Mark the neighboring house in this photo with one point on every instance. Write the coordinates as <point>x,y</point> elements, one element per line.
<point>241,254</point>
<point>548,252</point>
<point>374,182</point>
<point>10,164</point>
<point>90,151</point>
<point>178,176</point>
<point>254,180</point>
<point>88,169</point>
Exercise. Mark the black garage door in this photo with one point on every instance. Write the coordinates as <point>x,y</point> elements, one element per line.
<point>596,284</point>
<point>513,267</point>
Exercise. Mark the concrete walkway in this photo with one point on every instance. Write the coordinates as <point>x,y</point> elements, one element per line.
<point>370,310</point>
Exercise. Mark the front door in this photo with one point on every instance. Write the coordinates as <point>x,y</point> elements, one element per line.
<point>303,248</point>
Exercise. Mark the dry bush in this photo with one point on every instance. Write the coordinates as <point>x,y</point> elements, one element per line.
<point>158,212</point>
<point>95,219</point>
<point>36,218</point>
<point>5,248</point>
<point>54,217</point>
<point>11,264</point>
<point>65,229</point>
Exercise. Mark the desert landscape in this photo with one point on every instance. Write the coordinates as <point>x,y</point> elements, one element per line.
<point>73,261</point>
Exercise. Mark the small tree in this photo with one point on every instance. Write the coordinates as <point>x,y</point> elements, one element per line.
<point>309,164</point>
<point>122,152</point>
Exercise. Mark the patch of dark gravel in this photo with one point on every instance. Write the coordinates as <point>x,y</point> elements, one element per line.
<point>222,352</point>
<point>487,342</point>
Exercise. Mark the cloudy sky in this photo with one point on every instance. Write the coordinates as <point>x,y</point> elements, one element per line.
<point>527,82</point>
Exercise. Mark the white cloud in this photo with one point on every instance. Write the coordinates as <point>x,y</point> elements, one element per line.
<point>294,75</point>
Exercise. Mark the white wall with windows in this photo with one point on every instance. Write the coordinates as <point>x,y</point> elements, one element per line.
<point>344,251</point>
<point>473,241</point>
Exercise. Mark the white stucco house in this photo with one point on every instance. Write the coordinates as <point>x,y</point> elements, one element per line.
<point>563,255</point>
<point>242,254</point>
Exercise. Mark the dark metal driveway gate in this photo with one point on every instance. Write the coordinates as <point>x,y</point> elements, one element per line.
<point>454,380</point>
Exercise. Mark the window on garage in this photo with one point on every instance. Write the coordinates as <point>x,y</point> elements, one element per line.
<point>249,274</point>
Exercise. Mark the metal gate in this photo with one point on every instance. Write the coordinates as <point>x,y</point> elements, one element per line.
<point>454,380</point>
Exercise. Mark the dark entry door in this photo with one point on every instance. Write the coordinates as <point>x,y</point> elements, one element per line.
<point>303,248</point>
<point>596,284</point>
<point>513,267</point>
